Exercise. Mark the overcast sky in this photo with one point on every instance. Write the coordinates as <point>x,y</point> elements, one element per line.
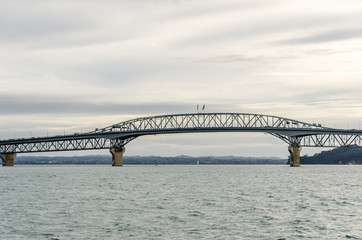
<point>72,66</point>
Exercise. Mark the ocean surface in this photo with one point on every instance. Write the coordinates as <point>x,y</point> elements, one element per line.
<point>181,202</point>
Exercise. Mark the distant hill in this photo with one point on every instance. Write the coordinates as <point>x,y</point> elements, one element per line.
<point>341,155</point>
<point>107,159</point>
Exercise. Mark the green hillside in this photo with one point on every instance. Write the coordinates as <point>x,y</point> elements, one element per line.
<point>341,155</point>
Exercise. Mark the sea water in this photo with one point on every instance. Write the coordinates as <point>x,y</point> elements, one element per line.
<point>181,202</point>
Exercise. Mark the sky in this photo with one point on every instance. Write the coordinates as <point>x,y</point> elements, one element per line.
<point>73,66</point>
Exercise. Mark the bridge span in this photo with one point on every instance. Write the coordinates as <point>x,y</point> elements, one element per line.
<point>295,133</point>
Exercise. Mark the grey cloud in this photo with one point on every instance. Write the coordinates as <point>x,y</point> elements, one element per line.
<point>335,35</point>
<point>328,95</point>
<point>34,105</point>
<point>114,72</point>
<point>200,9</point>
<point>256,28</point>
<point>331,51</point>
<point>21,21</point>
<point>65,24</point>
<point>229,58</point>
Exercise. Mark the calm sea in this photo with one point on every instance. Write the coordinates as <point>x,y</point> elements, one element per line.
<point>181,202</point>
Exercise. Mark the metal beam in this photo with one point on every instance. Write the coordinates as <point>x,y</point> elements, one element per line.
<point>293,132</point>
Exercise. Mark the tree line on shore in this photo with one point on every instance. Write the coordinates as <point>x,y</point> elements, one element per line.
<point>341,155</point>
<point>150,160</point>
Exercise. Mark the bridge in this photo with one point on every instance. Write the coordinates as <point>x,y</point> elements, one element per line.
<point>295,133</point>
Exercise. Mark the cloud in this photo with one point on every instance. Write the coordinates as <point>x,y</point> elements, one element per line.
<point>73,63</point>
<point>32,105</point>
<point>279,20</point>
<point>21,21</point>
<point>330,36</point>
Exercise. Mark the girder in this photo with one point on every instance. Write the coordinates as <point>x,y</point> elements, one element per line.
<point>293,132</point>
<point>210,120</point>
<point>331,140</point>
<point>63,145</point>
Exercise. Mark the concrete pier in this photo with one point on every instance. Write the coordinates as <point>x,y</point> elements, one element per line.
<point>117,156</point>
<point>8,159</point>
<point>294,158</point>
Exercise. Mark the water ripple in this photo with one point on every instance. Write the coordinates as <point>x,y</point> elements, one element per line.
<point>181,202</point>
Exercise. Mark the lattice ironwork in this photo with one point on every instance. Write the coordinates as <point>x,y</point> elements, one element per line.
<point>63,145</point>
<point>323,140</point>
<point>210,120</point>
<point>295,133</point>
<point>331,140</point>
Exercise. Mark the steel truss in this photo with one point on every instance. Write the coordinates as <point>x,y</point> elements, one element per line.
<point>63,145</point>
<point>322,140</point>
<point>295,133</point>
<point>210,120</point>
<point>330,140</point>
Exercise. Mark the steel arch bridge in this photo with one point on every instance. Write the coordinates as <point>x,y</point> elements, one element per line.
<point>295,133</point>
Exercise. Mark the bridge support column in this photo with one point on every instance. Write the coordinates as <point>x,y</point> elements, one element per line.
<point>117,156</point>
<point>294,158</point>
<point>8,159</point>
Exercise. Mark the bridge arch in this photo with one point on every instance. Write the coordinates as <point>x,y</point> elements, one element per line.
<point>211,120</point>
